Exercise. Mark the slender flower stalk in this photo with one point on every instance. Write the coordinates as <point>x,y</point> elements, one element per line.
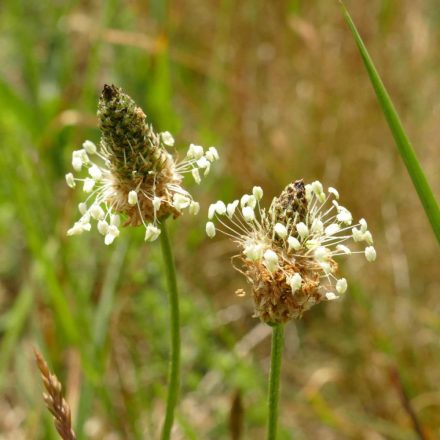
<point>274,380</point>
<point>287,254</point>
<point>133,180</point>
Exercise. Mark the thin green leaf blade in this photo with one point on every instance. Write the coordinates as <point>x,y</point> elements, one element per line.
<point>403,143</point>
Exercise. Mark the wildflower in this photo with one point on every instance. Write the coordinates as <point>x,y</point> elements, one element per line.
<point>132,174</point>
<point>288,250</point>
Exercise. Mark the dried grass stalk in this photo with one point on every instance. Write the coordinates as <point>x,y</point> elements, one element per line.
<point>55,401</point>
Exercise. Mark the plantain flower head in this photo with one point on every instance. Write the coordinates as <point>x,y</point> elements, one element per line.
<point>288,251</point>
<point>132,174</point>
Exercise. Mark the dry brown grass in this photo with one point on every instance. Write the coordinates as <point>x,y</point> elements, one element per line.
<point>53,397</point>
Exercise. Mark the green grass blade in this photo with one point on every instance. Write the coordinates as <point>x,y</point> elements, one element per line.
<point>16,322</point>
<point>403,143</point>
<point>99,333</point>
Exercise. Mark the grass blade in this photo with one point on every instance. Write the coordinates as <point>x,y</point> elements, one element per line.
<point>403,143</point>
<point>17,318</point>
<point>99,334</point>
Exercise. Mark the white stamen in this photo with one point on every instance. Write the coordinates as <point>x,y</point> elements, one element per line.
<point>321,253</point>
<point>90,147</point>
<point>334,191</point>
<point>70,180</point>
<point>363,225</point>
<point>76,162</point>
<point>103,227</point>
<point>97,212</point>
<point>270,260</point>
<point>157,202</point>
<point>207,168</point>
<point>112,233</point>
<point>132,198</point>
<point>167,138</point>
<point>331,296</point>
<point>280,230</point>
<point>244,199</point>
<point>341,285</point>
<point>357,235</point>
<point>212,154</point>
<point>230,209</point>
<point>211,210</point>
<point>344,249</point>
<point>332,229</point>
<point>180,201</point>
<point>317,226</point>
<point>294,282</point>
<point>368,238</point>
<point>248,214</point>
<point>151,233</point>
<point>293,243</point>
<point>194,152</point>
<point>88,185</point>
<point>78,228</point>
<point>302,229</point>
<point>82,208</point>
<point>196,175</point>
<point>115,220</point>
<point>257,191</point>
<point>210,229</point>
<point>370,253</point>
<point>220,208</point>
<point>95,172</point>
<point>203,162</point>
<point>344,215</point>
<point>254,252</point>
<point>194,208</point>
<point>326,267</point>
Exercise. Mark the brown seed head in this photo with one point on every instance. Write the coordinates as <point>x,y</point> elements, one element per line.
<point>54,400</point>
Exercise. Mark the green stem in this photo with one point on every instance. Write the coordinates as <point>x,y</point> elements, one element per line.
<point>274,379</point>
<point>174,366</point>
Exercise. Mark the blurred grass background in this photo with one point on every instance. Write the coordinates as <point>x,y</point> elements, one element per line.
<point>281,91</point>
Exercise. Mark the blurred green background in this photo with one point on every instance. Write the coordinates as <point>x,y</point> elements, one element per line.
<point>279,88</point>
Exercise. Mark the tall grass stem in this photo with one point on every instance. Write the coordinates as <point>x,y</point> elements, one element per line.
<point>274,380</point>
<point>174,366</point>
<point>406,150</point>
